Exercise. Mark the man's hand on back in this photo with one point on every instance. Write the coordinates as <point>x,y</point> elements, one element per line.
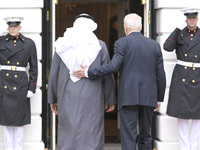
<point>80,73</point>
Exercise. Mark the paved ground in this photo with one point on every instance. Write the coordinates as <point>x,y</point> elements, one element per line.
<point>112,146</point>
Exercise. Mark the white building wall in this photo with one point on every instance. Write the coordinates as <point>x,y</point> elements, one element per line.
<point>168,18</point>
<point>31,27</point>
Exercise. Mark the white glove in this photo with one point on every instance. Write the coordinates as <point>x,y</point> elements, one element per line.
<point>181,26</point>
<point>29,94</point>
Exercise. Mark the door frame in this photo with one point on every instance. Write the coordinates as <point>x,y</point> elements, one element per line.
<point>146,19</point>
<point>53,116</point>
<point>46,58</point>
<point>124,9</point>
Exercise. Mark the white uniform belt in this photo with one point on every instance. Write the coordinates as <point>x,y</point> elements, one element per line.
<point>13,68</point>
<point>188,64</point>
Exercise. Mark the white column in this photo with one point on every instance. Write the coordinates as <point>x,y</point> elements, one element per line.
<point>31,27</point>
<point>168,18</point>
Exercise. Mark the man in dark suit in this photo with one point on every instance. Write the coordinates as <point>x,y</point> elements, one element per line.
<point>141,82</point>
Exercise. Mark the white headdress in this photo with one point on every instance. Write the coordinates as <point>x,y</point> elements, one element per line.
<point>79,45</point>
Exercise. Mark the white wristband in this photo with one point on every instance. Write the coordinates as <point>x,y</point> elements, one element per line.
<point>159,103</point>
<point>86,72</point>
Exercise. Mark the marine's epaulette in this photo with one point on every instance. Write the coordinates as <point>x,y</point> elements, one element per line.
<point>28,38</point>
<point>2,37</point>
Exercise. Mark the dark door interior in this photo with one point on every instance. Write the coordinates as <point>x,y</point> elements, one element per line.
<point>106,15</point>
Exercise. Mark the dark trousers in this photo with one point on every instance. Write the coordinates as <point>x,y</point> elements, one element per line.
<point>129,115</point>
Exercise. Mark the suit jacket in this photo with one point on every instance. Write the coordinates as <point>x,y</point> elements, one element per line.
<point>141,74</point>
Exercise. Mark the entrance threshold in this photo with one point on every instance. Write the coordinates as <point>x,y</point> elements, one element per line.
<point>112,146</point>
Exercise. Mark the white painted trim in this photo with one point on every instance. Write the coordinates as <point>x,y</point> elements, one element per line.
<point>21,4</point>
<point>175,4</point>
<point>54,132</point>
<point>53,39</point>
<point>145,18</point>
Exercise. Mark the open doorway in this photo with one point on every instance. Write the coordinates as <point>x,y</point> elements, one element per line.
<point>109,17</point>
<point>102,12</point>
<point>106,16</point>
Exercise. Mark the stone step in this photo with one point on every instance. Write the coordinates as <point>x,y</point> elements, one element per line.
<point>109,146</point>
<point>112,146</point>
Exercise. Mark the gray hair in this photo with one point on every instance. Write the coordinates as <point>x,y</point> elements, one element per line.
<point>133,21</point>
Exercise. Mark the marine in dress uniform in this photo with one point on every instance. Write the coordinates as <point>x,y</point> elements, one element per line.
<point>184,94</point>
<point>16,52</point>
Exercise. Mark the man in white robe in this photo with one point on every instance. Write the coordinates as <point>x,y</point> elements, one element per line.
<point>79,103</point>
